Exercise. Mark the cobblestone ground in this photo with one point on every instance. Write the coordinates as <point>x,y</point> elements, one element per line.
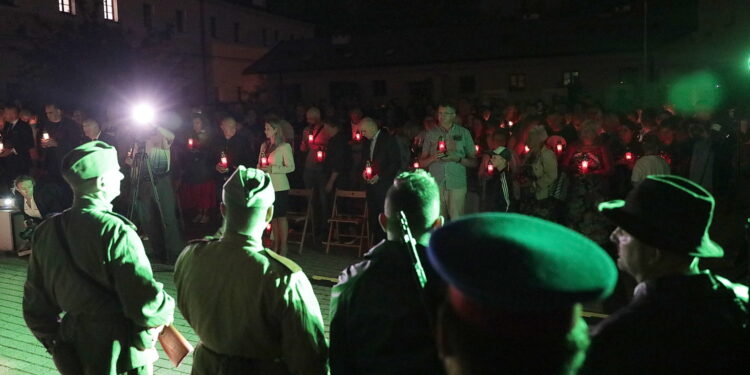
<point>21,353</point>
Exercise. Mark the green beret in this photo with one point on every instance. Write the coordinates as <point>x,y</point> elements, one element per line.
<point>248,187</point>
<point>519,263</point>
<point>89,160</point>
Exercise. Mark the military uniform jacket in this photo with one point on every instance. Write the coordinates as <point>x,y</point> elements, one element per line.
<point>101,321</point>
<point>695,324</point>
<point>378,322</point>
<point>249,305</point>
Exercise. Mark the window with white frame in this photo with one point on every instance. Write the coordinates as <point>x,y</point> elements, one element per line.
<point>570,78</point>
<point>110,9</point>
<point>517,81</point>
<point>66,6</point>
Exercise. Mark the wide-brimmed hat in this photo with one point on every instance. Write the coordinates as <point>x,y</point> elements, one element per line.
<point>668,212</point>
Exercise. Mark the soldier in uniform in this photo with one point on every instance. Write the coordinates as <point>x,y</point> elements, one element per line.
<point>254,310</point>
<point>515,288</point>
<point>89,263</point>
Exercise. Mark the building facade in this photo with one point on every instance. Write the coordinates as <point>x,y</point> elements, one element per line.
<point>205,43</point>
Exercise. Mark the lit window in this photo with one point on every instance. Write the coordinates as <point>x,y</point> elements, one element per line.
<point>570,78</point>
<point>110,9</point>
<point>66,6</point>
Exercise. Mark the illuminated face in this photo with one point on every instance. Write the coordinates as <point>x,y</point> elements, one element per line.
<point>229,128</point>
<point>369,130</point>
<point>446,116</point>
<point>197,125</point>
<point>312,116</point>
<point>53,113</point>
<point>630,253</point>
<point>26,189</point>
<point>111,184</point>
<point>90,129</point>
<point>499,162</point>
<point>10,114</point>
<point>625,134</point>
<point>78,116</point>
<point>270,131</point>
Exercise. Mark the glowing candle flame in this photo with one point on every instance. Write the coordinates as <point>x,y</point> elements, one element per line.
<point>628,155</point>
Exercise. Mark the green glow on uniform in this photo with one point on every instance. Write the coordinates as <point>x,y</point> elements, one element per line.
<point>748,63</point>
<point>699,89</point>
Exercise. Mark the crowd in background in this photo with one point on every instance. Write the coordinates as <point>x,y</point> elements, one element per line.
<point>551,160</point>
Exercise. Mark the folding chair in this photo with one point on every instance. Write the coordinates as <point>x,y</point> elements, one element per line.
<point>356,219</point>
<point>305,215</point>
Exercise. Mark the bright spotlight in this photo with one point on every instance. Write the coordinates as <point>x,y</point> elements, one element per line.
<point>8,202</point>
<point>143,113</point>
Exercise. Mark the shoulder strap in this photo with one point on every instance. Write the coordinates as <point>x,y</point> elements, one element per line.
<point>288,263</point>
<point>57,219</point>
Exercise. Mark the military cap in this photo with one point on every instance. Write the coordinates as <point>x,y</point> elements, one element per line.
<point>89,160</point>
<point>503,268</point>
<point>668,212</point>
<point>248,187</point>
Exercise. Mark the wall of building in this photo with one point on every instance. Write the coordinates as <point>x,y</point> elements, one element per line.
<point>237,42</point>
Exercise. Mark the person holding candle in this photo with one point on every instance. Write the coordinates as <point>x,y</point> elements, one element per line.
<point>447,151</point>
<point>539,172</point>
<point>589,165</point>
<point>197,187</point>
<point>384,155</point>
<point>236,149</point>
<point>17,141</point>
<point>314,142</point>
<point>277,160</point>
<point>496,171</point>
<point>59,135</point>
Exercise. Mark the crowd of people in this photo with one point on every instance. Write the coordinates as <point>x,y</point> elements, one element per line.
<point>496,291</point>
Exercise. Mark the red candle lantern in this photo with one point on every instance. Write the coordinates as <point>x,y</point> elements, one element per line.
<point>526,149</point>
<point>490,168</point>
<point>357,136</point>
<point>416,165</point>
<point>585,166</point>
<point>191,143</point>
<point>441,145</point>
<point>368,170</point>
<point>320,155</point>
<point>45,136</point>
<point>1,146</point>
<point>310,138</point>
<point>510,124</point>
<point>628,155</point>
<point>268,227</point>
<point>263,159</point>
<point>559,147</point>
<point>477,149</point>
<point>223,160</point>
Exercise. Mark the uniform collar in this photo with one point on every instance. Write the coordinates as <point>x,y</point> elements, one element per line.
<point>89,203</point>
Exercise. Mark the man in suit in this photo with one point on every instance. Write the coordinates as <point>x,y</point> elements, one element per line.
<point>17,141</point>
<point>383,154</point>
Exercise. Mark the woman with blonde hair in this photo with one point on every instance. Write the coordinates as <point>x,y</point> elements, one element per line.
<point>277,160</point>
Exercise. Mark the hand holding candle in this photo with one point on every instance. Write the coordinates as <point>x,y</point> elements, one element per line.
<point>191,143</point>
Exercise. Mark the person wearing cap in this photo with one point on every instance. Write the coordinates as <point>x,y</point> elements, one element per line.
<point>90,263</point>
<point>254,310</point>
<point>515,288</point>
<point>379,321</point>
<point>682,320</point>
<point>496,169</point>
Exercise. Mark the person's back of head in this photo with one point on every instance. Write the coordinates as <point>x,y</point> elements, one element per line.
<point>247,202</point>
<point>515,288</point>
<point>417,195</point>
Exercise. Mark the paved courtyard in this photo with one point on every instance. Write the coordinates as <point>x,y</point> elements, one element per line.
<point>21,353</point>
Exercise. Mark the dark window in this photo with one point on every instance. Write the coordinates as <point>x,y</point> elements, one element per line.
<point>467,84</point>
<point>236,32</point>
<point>344,91</point>
<point>212,26</point>
<point>570,78</point>
<point>629,75</point>
<point>148,15</point>
<point>179,20</point>
<point>292,93</point>
<point>265,37</point>
<point>276,36</point>
<point>379,88</point>
<point>517,81</point>
<point>421,90</point>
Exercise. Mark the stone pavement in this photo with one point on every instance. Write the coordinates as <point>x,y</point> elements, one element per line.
<point>21,353</point>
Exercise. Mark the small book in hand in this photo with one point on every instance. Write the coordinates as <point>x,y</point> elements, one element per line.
<point>176,347</point>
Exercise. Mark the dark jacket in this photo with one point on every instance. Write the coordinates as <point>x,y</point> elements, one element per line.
<point>378,324</point>
<point>678,325</point>
<point>338,156</point>
<point>386,159</point>
<point>68,136</point>
<point>20,138</point>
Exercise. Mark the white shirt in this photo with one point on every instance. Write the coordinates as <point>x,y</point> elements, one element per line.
<point>372,143</point>
<point>30,208</point>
